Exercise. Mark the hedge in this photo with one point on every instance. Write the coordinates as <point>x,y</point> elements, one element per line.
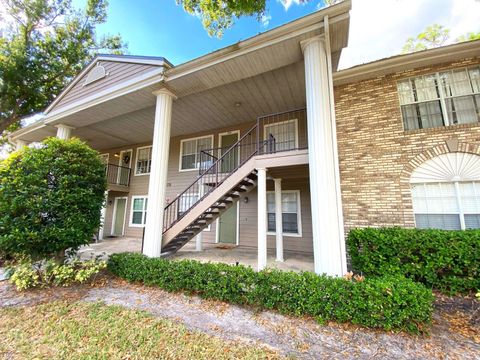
<point>389,302</point>
<point>446,260</point>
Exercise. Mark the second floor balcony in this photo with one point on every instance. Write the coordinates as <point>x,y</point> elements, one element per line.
<point>118,177</point>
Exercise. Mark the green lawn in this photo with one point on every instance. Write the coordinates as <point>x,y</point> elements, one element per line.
<point>62,330</point>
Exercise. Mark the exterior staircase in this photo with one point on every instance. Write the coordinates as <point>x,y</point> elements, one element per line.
<point>226,179</point>
<point>222,182</point>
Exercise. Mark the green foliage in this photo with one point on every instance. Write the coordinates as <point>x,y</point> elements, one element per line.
<point>44,45</point>
<point>390,302</point>
<point>28,274</point>
<point>50,198</point>
<point>219,15</point>
<point>446,260</point>
<point>433,36</point>
<point>470,36</point>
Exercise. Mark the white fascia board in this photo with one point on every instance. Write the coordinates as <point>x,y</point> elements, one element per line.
<point>407,61</point>
<point>151,78</point>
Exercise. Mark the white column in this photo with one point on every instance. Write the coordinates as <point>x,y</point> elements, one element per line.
<point>327,224</point>
<point>262,218</point>
<point>102,217</point>
<point>158,173</point>
<point>20,144</point>
<point>278,219</point>
<point>64,132</point>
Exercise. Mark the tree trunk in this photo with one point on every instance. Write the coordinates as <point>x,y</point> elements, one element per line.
<point>59,257</point>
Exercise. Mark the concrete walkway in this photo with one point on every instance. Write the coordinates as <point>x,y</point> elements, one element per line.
<point>212,253</point>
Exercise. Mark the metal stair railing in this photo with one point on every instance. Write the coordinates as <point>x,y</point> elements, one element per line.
<point>214,175</point>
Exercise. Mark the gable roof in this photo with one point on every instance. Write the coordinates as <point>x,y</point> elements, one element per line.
<point>152,62</point>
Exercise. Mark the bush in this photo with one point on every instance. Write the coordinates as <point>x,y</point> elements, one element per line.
<point>390,302</point>
<point>50,198</point>
<point>28,274</point>
<point>446,260</point>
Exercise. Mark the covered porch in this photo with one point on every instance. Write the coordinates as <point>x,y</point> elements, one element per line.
<point>221,253</point>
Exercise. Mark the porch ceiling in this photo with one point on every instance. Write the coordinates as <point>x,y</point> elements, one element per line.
<point>278,90</point>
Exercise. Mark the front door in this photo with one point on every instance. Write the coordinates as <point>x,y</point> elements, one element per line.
<point>119,216</point>
<point>230,161</point>
<point>227,226</point>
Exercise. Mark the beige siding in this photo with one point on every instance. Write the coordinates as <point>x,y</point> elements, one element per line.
<point>178,181</point>
<point>117,72</point>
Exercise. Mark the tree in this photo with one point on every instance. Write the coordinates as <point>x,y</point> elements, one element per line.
<point>434,36</point>
<point>43,45</point>
<point>50,198</point>
<point>470,36</point>
<point>217,16</point>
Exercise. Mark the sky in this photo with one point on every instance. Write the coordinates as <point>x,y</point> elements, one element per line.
<point>378,29</point>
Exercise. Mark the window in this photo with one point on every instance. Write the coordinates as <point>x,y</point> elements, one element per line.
<point>446,192</point>
<point>190,151</point>
<point>144,160</point>
<point>291,218</point>
<point>186,202</point>
<point>139,211</point>
<point>440,99</point>
<point>281,136</point>
<point>449,206</point>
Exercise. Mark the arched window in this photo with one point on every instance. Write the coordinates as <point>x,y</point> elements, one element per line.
<point>446,192</point>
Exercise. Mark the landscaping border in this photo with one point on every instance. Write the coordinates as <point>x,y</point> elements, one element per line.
<point>389,302</point>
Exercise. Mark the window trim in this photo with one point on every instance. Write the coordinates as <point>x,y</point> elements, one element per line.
<point>144,211</point>
<point>212,138</point>
<point>265,126</point>
<point>299,215</point>
<point>442,97</point>
<point>208,228</point>
<point>136,160</point>
<point>458,197</point>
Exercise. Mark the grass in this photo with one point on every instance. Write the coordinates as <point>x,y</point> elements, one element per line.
<point>61,330</point>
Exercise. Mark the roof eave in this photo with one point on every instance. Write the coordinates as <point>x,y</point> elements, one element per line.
<point>404,62</point>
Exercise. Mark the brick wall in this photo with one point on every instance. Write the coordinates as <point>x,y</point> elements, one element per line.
<point>377,156</point>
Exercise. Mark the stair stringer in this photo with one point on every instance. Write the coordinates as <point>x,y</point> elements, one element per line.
<point>197,210</point>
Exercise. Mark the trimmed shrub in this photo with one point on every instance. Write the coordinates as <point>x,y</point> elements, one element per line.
<point>50,198</point>
<point>445,260</point>
<point>390,302</point>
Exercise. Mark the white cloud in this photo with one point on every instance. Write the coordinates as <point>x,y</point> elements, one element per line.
<point>379,28</point>
<point>266,20</point>
<point>287,3</point>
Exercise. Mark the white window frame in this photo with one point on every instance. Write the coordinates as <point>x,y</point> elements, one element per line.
<point>212,138</point>
<point>136,158</point>
<point>280,123</point>
<point>460,213</point>
<point>208,228</point>
<point>442,99</point>
<point>299,214</point>
<point>144,211</point>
